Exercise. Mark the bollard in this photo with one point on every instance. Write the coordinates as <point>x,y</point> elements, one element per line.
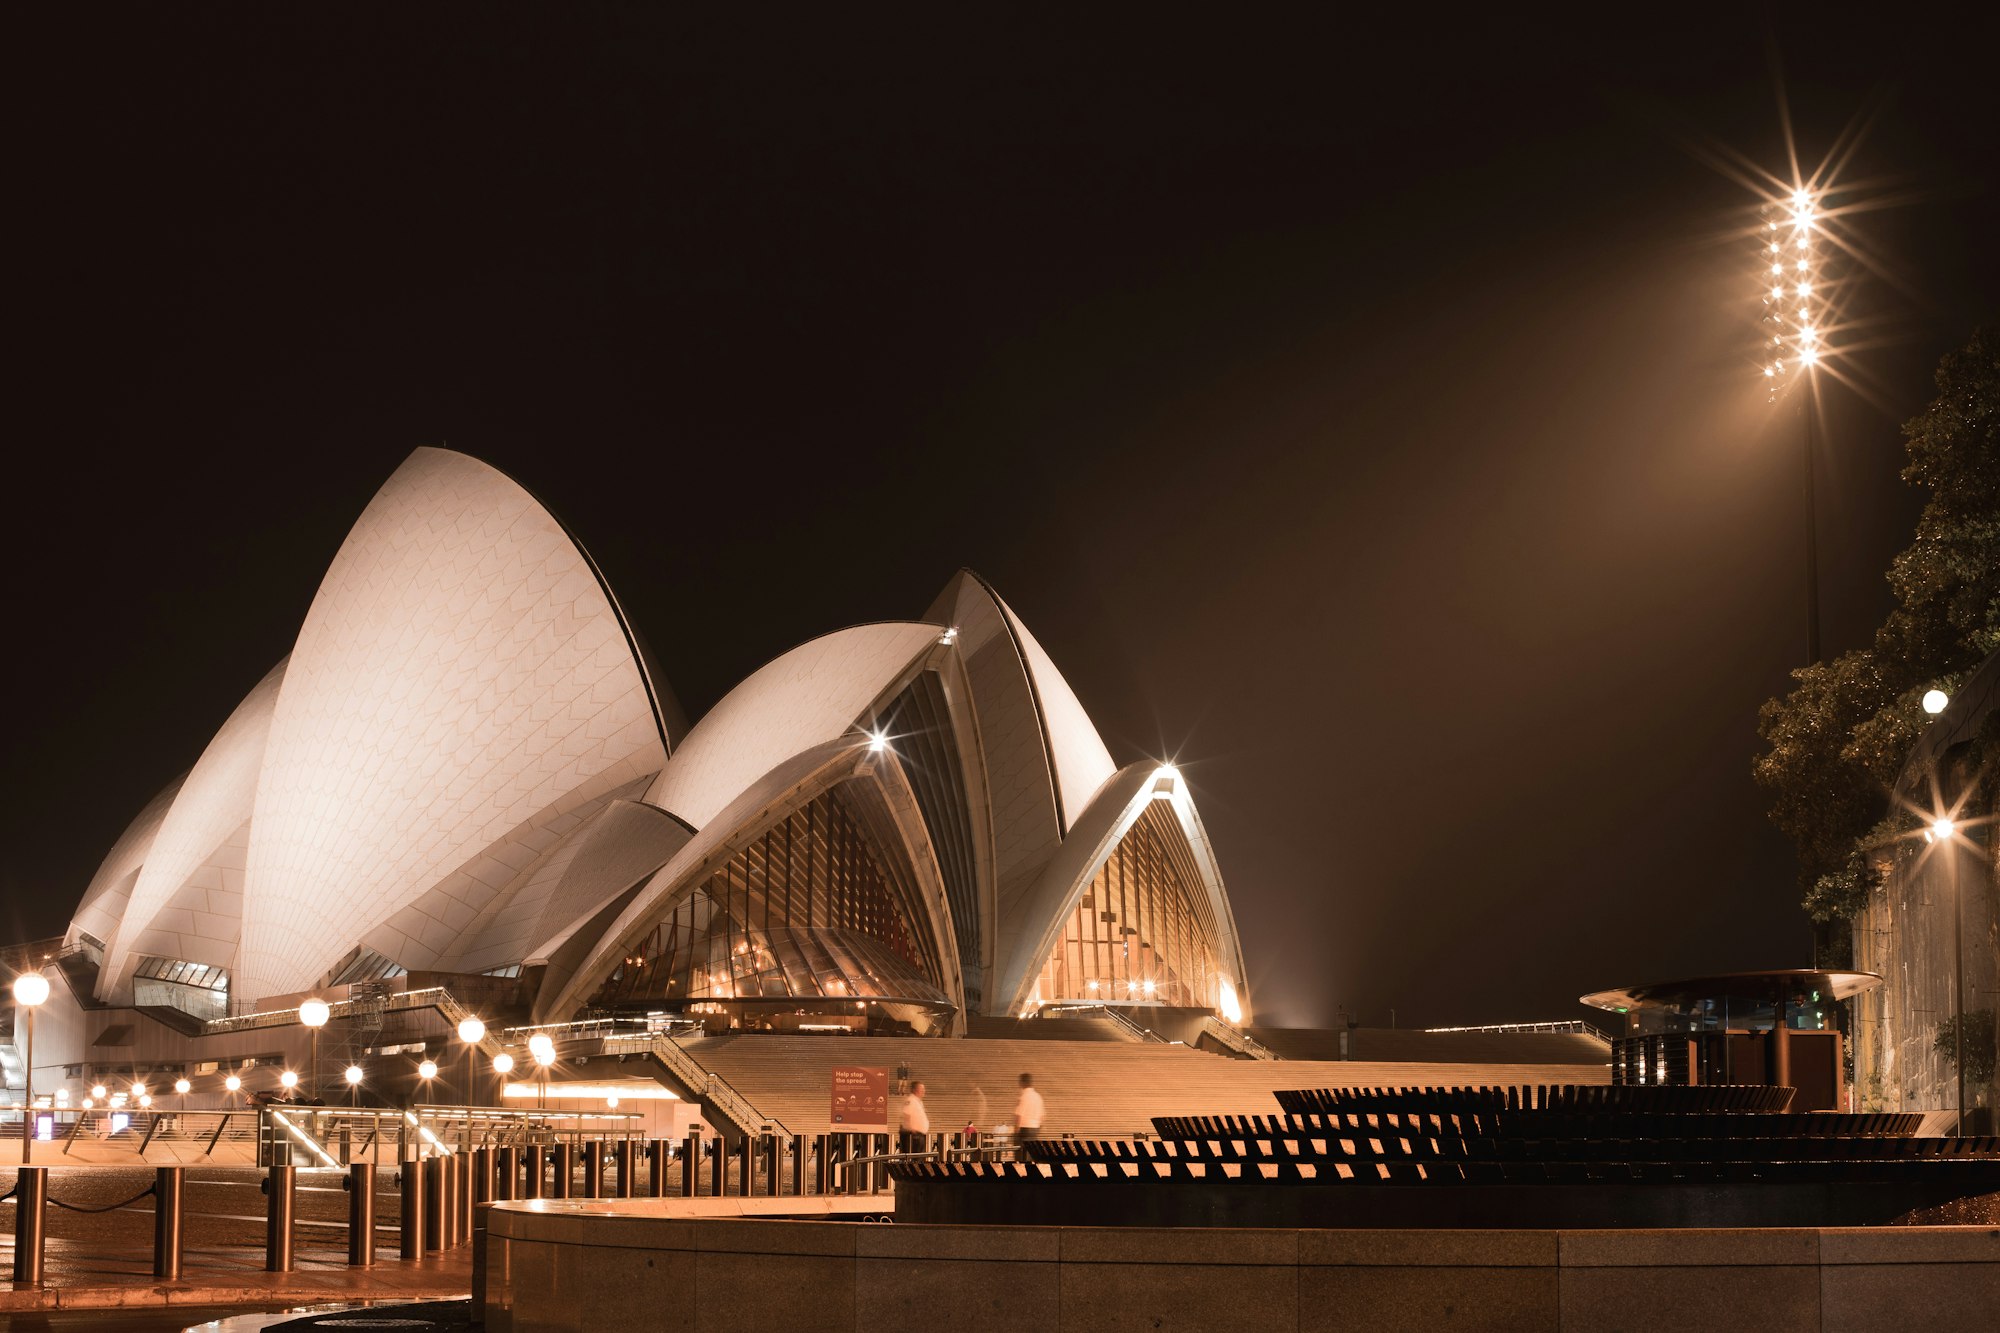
<point>773,1183</point>
<point>657,1153</point>
<point>691,1165</point>
<point>411,1184</point>
<point>532,1187</point>
<point>31,1198</point>
<point>718,1166</point>
<point>452,1165</point>
<point>482,1177</point>
<point>282,1185</point>
<point>564,1166</point>
<point>506,1173</point>
<point>431,1185</point>
<point>623,1161</point>
<point>746,1156</point>
<point>361,1215</point>
<point>593,1170</point>
<point>169,1210</point>
<point>468,1175</point>
<point>819,1163</point>
<point>798,1164</point>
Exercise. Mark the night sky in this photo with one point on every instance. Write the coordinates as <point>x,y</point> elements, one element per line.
<point>1364,414</point>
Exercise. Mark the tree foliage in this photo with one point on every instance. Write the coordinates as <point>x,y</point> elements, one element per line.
<point>1835,744</point>
<point>1979,1044</point>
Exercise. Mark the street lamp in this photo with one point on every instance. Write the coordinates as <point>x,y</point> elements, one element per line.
<point>470,1031</point>
<point>1936,701</point>
<point>181,1087</point>
<point>544,1051</point>
<point>31,990</point>
<point>289,1081</point>
<point>1942,830</point>
<point>314,1013</point>
<point>232,1085</point>
<point>353,1076</point>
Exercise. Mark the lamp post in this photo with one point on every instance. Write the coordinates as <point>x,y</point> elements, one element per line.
<point>544,1051</point>
<point>353,1077</point>
<point>181,1087</point>
<point>1943,830</point>
<point>470,1031</point>
<point>31,989</point>
<point>289,1081</point>
<point>232,1085</point>
<point>503,1065</point>
<point>314,1013</point>
<point>1794,307</point>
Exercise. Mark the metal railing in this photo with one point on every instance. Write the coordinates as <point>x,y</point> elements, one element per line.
<point>1092,1009</point>
<point>1236,1039</point>
<point>712,1088</point>
<point>1577,1026</point>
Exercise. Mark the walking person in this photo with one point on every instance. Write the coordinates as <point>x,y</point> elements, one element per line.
<point>1027,1112</point>
<point>915,1122</point>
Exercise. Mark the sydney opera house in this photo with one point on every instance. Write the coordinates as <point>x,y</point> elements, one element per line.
<point>469,773</point>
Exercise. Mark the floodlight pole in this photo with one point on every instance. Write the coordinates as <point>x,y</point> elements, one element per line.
<point>1958,977</point>
<point>28,1090</point>
<point>1812,531</point>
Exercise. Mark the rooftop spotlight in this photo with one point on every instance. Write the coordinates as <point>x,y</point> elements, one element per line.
<point>1935,701</point>
<point>877,742</point>
<point>1942,829</point>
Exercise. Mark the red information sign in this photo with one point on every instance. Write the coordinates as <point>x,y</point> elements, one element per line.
<point>860,1098</point>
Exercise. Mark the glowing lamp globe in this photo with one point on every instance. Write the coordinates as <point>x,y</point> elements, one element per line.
<point>145,1103</point>
<point>99,1092</point>
<point>288,1079</point>
<point>428,1069</point>
<point>1943,829</point>
<point>542,1048</point>
<point>138,1089</point>
<point>31,989</point>
<point>471,1030</point>
<point>1935,701</point>
<point>181,1086</point>
<point>314,1013</point>
<point>503,1063</point>
<point>233,1083</point>
<point>353,1076</point>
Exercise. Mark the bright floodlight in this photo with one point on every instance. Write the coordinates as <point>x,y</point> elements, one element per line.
<point>1801,199</point>
<point>30,989</point>
<point>471,1030</point>
<point>181,1086</point>
<point>1942,829</point>
<point>503,1063</point>
<point>543,1049</point>
<point>288,1079</point>
<point>314,1013</point>
<point>1809,356</point>
<point>877,742</point>
<point>1935,701</point>
<point>611,1101</point>
<point>145,1103</point>
<point>138,1089</point>
<point>98,1091</point>
<point>353,1076</point>
<point>233,1083</point>
<point>428,1069</point>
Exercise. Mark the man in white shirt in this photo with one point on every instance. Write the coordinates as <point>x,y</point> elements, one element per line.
<point>916,1121</point>
<point>1027,1111</point>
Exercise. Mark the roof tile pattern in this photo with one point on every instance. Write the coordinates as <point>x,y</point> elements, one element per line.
<point>460,671</point>
<point>214,804</point>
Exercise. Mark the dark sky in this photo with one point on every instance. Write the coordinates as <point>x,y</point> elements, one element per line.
<point>1362,413</point>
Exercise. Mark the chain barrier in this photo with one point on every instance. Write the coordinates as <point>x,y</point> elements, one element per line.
<point>75,1208</point>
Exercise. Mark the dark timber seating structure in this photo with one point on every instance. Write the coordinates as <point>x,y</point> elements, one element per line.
<point>1543,1157</point>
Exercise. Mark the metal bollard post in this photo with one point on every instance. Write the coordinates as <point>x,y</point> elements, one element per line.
<point>433,1195</point>
<point>746,1154</point>
<point>282,1184</point>
<point>169,1210</point>
<point>482,1177</point>
<point>452,1206</point>
<point>718,1168</point>
<point>565,1166</point>
<point>593,1170</point>
<point>656,1167</point>
<point>622,1155</point>
<point>531,1188</point>
<point>361,1215</point>
<point>412,1201</point>
<point>690,1165</point>
<point>31,1199</point>
<point>507,1173</point>
<point>773,1184</point>
<point>798,1164</point>
<point>819,1162</point>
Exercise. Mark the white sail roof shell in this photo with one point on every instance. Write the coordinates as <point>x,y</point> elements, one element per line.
<point>460,671</point>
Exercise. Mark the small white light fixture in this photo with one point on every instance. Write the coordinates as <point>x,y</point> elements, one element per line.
<point>428,1069</point>
<point>353,1076</point>
<point>1936,701</point>
<point>503,1064</point>
<point>314,1013</point>
<point>145,1103</point>
<point>471,1030</point>
<point>949,637</point>
<point>98,1091</point>
<point>182,1086</point>
<point>233,1083</point>
<point>543,1049</point>
<point>877,742</point>
<point>288,1080</point>
<point>1942,829</point>
<point>138,1089</point>
<point>31,989</point>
